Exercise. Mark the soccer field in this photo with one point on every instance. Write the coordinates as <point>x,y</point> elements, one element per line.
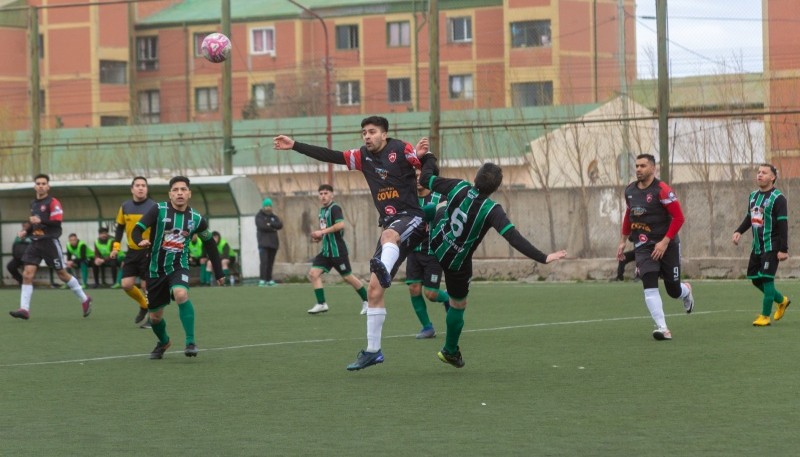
<point>551,369</point>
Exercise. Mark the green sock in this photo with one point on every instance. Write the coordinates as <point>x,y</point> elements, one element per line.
<point>225,272</point>
<point>421,309</point>
<point>119,276</point>
<point>455,323</point>
<point>160,330</point>
<point>443,296</point>
<point>205,276</point>
<point>186,313</point>
<point>769,295</point>
<point>84,273</point>
<point>320,293</point>
<point>362,292</point>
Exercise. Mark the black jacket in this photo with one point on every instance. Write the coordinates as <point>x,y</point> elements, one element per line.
<point>267,226</point>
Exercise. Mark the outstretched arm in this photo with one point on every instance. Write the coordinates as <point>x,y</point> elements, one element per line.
<point>285,143</point>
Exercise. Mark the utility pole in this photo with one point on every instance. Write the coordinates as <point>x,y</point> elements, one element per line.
<point>625,172</point>
<point>435,114</point>
<point>133,105</point>
<point>227,116</point>
<point>663,89</point>
<point>36,131</point>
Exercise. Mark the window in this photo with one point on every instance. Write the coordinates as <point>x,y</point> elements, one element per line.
<point>41,46</point>
<point>198,43</point>
<point>113,121</point>
<point>532,94</point>
<point>398,34</point>
<point>461,87</point>
<point>459,29</point>
<point>205,99</point>
<point>42,105</point>
<point>263,94</point>
<point>147,53</point>
<point>348,93</point>
<point>149,107</point>
<point>346,37</point>
<point>530,34</point>
<point>399,90</point>
<point>262,41</point>
<point>113,72</point>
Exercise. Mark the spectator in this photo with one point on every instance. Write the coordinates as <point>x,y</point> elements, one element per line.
<point>78,256</point>
<point>267,226</point>
<point>102,257</point>
<point>21,243</point>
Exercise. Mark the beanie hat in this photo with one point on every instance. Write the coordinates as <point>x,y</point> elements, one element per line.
<point>267,202</point>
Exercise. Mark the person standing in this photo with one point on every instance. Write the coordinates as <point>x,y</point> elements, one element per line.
<point>21,242</point>
<point>423,272</point>
<point>388,166</point>
<point>768,217</point>
<point>137,259</point>
<point>45,231</point>
<point>267,226</point>
<point>172,224</point>
<point>457,230</point>
<point>653,216</point>
<point>334,252</point>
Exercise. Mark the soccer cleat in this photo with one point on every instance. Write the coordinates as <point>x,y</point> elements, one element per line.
<point>426,332</point>
<point>191,350</point>
<point>688,301</point>
<point>116,285</point>
<point>140,316</point>
<point>20,314</point>
<point>272,283</point>
<point>159,350</point>
<point>364,306</point>
<point>662,334</point>
<point>262,283</point>
<point>377,267</point>
<point>761,321</point>
<point>782,308</point>
<point>318,308</point>
<point>366,359</point>
<point>453,359</point>
<point>87,306</point>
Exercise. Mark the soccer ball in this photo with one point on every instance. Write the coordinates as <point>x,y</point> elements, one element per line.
<point>216,47</point>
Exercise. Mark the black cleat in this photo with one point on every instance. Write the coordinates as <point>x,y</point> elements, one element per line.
<point>159,350</point>
<point>20,314</point>
<point>140,316</point>
<point>453,359</point>
<point>191,350</point>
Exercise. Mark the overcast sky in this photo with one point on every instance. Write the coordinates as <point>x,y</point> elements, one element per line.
<point>706,36</point>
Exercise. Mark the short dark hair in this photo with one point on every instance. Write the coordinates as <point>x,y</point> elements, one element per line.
<point>102,229</point>
<point>488,178</point>
<point>42,175</point>
<point>136,178</point>
<point>71,235</point>
<point>179,179</point>
<point>772,169</point>
<point>215,233</point>
<point>650,158</point>
<point>380,121</point>
<point>327,187</point>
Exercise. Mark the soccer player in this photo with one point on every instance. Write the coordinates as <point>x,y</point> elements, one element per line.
<point>388,166</point>
<point>137,259</point>
<point>334,252</point>
<point>103,246</point>
<point>423,272</point>
<point>767,215</point>
<point>457,230</point>
<point>45,230</point>
<point>652,219</point>
<point>172,225</point>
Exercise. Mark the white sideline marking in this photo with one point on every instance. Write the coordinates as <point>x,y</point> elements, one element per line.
<point>329,340</point>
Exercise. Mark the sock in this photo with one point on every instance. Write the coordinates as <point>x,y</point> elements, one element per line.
<point>362,292</point>
<point>422,311</point>
<point>119,277</point>
<point>389,255</point>
<point>652,299</point>
<point>160,330</point>
<point>76,289</point>
<point>320,294</point>
<point>684,290</point>
<point>186,313</point>
<point>85,273</point>
<point>136,294</point>
<point>443,296</point>
<point>204,276</point>
<point>225,271</point>
<point>455,323</point>
<point>769,295</point>
<point>375,319</point>
<point>25,297</point>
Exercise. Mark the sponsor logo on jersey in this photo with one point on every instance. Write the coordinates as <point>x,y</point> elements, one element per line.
<point>387,193</point>
<point>392,156</point>
<point>640,226</point>
<point>382,172</point>
<point>638,211</point>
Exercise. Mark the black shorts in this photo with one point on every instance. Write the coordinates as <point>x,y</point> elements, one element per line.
<point>159,290</point>
<point>762,265</point>
<point>412,230</point>
<point>47,249</point>
<point>458,281</point>
<point>668,267</point>
<point>424,268</point>
<point>136,263</point>
<point>326,264</point>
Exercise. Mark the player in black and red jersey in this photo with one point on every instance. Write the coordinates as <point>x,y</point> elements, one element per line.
<point>44,231</point>
<point>653,216</point>
<point>388,166</point>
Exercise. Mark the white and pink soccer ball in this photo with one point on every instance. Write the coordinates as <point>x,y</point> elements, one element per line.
<point>216,47</point>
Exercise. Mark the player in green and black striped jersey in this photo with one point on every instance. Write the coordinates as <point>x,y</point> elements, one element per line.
<point>767,216</point>
<point>334,252</point>
<point>423,272</point>
<point>456,232</point>
<point>172,225</point>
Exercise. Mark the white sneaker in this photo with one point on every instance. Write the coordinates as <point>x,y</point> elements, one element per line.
<point>662,334</point>
<point>688,301</point>
<point>364,306</point>
<point>318,308</point>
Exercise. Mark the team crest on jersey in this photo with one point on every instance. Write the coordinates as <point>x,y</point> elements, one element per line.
<point>649,198</point>
<point>42,208</point>
<point>382,172</point>
<point>392,156</point>
<point>190,225</point>
<point>390,210</point>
